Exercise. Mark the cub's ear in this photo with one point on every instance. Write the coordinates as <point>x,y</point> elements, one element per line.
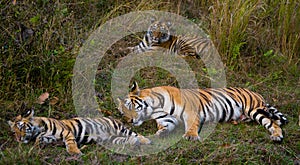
<point>152,19</point>
<point>135,88</point>
<point>169,24</point>
<point>28,114</point>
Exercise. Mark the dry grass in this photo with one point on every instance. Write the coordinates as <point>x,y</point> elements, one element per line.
<point>258,42</point>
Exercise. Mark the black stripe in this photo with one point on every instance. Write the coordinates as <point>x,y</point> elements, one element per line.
<point>61,133</point>
<point>267,114</point>
<point>160,98</point>
<point>251,98</point>
<point>44,125</point>
<point>172,106</point>
<point>219,96</point>
<point>202,120</point>
<point>223,116</point>
<point>159,117</point>
<point>204,113</point>
<point>240,100</point>
<point>115,125</point>
<point>54,128</point>
<point>79,130</point>
<point>85,139</point>
<point>260,119</point>
<point>183,109</point>
<point>170,121</point>
<point>243,100</point>
<point>270,125</point>
<point>130,133</point>
<point>74,129</point>
<point>123,130</point>
<point>255,114</point>
<point>230,92</point>
<point>50,123</point>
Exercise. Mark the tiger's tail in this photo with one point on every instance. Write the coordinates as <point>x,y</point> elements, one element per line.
<point>271,119</point>
<point>276,116</point>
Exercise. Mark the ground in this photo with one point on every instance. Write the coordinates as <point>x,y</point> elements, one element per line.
<point>258,43</point>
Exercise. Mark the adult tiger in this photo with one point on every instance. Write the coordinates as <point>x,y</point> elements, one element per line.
<point>158,37</point>
<point>73,131</point>
<point>170,106</point>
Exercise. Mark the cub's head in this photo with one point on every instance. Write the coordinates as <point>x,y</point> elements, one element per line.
<point>135,107</point>
<point>23,128</point>
<point>158,32</point>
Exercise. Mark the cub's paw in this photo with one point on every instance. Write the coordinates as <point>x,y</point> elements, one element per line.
<point>144,141</point>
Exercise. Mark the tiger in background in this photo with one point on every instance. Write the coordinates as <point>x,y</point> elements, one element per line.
<point>158,37</point>
<point>171,106</point>
<point>73,132</point>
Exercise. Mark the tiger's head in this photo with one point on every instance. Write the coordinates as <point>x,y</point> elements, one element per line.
<point>158,32</point>
<point>128,114</point>
<point>135,107</point>
<point>23,128</point>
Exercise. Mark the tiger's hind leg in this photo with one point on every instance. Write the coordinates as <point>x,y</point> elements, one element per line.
<point>263,117</point>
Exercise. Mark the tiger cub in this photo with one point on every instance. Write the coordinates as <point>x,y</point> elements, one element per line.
<point>73,132</point>
<point>158,37</point>
<point>170,106</point>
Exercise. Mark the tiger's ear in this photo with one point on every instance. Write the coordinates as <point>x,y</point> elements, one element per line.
<point>10,123</point>
<point>169,24</point>
<point>135,88</point>
<point>120,102</point>
<point>28,114</point>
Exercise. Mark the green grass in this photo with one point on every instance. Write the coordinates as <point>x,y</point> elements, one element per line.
<point>258,41</point>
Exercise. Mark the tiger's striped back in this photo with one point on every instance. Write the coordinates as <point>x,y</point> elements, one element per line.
<point>170,106</point>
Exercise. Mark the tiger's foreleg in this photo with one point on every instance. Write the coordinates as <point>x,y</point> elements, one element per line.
<point>192,126</point>
<point>262,117</point>
<point>71,144</point>
<point>165,124</point>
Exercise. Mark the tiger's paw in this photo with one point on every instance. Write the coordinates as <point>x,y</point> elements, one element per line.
<point>144,140</point>
<point>192,137</point>
<point>74,151</point>
<point>277,138</point>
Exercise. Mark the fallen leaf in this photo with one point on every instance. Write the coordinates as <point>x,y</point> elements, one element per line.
<point>43,97</point>
<point>54,100</point>
<point>106,112</point>
<point>225,145</point>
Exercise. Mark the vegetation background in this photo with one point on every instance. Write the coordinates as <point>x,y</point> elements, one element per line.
<point>258,40</point>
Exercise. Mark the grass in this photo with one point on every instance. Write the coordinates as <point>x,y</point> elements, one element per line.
<point>258,42</point>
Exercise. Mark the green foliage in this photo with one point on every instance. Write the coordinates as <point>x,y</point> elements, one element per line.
<point>258,42</point>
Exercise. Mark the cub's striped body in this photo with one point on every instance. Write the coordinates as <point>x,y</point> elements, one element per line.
<point>73,132</point>
<point>158,37</point>
<point>170,106</point>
